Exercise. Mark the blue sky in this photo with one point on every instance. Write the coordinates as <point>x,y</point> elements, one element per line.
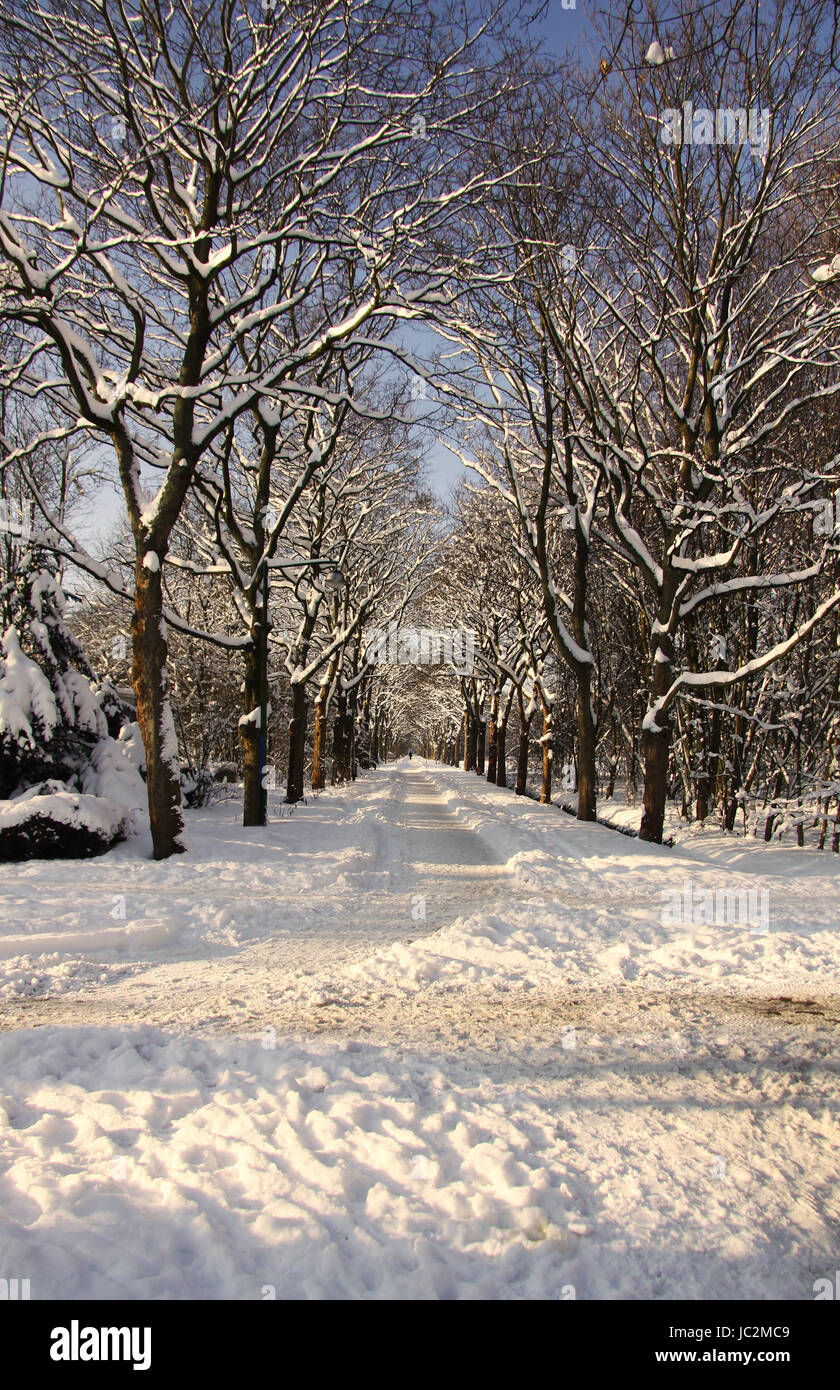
<point>563,27</point>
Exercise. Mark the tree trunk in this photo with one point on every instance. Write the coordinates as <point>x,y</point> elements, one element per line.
<point>547,757</point>
<point>709,782</point>
<point>586,773</point>
<point>657,739</point>
<point>501,739</point>
<point>701,807</point>
<point>352,705</point>
<point>342,768</point>
<point>522,758</point>
<point>318,768</point>
<point>613,761</point>
<point>656,749</point>
<point>586,746</point>
<point>770,822</point>
<point>480,746</point>
<point>249,736</point>
<point>471,743</point>
<point>154,714</point>
<point>492,744</point>
<point>297,744</point>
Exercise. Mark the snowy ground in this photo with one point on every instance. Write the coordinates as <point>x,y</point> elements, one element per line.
<point>423,1039</point>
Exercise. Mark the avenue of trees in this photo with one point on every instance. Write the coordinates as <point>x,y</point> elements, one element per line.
<point>255,259</point>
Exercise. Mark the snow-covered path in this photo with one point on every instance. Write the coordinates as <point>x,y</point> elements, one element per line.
<point>276,1076</point>
<point>422,871</point>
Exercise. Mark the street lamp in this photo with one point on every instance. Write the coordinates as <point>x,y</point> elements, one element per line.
<point>334,580</point>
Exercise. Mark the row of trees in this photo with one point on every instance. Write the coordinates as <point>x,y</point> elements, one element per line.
<point>768,753</point>
<point>212,219</point>
<point>217,229</point>
<point>650,384</point>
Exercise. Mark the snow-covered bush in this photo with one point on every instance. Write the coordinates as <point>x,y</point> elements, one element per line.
<point>224,772</point>
<point>52,822</point>
<point>70,764</point>
<point>50,715</point>
<point>115,768</point>
<point>200,787</point>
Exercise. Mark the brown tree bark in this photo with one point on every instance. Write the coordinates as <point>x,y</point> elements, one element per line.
<point>522,762</point>
<point>522,756</point>
<point>492,741</point>
<point>657,739</point>
<point>586,746</point>
<point>501,740</point>
<point>547,756</point>
<point>342,765</point>
<point>318,737</point>
<point>586,771</point>
<point>297,744</point>
<point>249,736</point>
<point>657,747</point>
<point>351,735</point>
<point>471,742</point>
<point>154,714</point>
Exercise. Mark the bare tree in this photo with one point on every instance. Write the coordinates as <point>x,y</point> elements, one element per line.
<point>696,333</point>
<point>197,207</point>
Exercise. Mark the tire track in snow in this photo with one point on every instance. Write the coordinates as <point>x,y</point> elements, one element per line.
<point>427,871</point>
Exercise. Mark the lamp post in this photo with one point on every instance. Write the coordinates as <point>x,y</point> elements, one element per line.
<point>334,579</point>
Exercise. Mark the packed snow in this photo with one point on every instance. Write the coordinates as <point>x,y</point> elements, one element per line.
<point>420,1039</point>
